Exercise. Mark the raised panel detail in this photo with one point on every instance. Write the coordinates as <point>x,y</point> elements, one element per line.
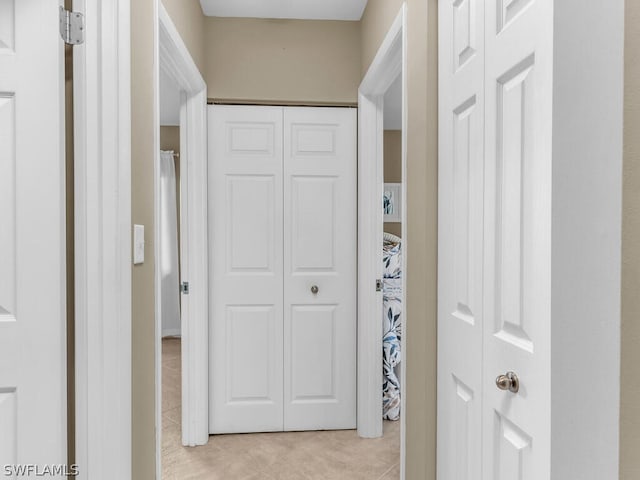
<point>512,450</point>
<point>7,26</point>
<point>8,209</point>
<point>8,426</point>
<point>462,398</point>
<point>508,10</point>
<point>311,140</point>
<point>250,355</point>
<point>251,224</point>
<point>313,353</point>
<point>313,210</point>
<point>251,139</point>
<point>515,151</point>
<point>464,31</point>
<point>463,155</point>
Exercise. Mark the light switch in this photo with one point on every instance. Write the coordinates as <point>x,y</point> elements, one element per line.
<point>138,244</point>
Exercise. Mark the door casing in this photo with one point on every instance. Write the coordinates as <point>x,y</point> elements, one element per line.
<point>102,158</point>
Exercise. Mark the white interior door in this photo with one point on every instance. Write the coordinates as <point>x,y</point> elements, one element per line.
<point>460,242</point>
<point>517,276</point>
<point>283,268</point>
<point>246,328</point>
<point>32,235</point>
<point>495,239</point>
<point>320,245</point>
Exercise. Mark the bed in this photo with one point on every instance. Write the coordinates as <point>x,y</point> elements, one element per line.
<point>392,325</point>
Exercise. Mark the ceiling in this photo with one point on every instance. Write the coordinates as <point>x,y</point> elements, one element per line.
<point>300,9</point>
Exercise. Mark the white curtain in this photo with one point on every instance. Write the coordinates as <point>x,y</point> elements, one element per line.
<point>170,286</point>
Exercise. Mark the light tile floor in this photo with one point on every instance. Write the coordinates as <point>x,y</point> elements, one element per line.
<point>322,455</point>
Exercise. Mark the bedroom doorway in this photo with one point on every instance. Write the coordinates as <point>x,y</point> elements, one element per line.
<point>382,231</point>
<point>180,247</point>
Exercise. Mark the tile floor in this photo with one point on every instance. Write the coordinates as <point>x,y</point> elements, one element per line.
<point>323,455</point>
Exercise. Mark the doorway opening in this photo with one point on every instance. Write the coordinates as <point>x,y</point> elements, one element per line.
<point>382,174</point>
<point>180,244</point>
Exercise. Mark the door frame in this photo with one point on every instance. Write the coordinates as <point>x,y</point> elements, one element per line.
<point>389,62</point>
<point>102,150</point>
<point>173,57</point>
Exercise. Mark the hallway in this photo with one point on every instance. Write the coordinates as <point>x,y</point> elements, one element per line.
<point>323,455</point>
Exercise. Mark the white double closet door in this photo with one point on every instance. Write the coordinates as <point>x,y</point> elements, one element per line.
<point>283,222</point>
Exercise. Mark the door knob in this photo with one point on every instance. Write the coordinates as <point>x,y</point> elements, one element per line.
<point>314,289</point>
<point>508,381</point>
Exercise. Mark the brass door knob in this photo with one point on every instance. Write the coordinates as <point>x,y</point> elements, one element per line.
<point>314,289</point>
<point>508,381</point>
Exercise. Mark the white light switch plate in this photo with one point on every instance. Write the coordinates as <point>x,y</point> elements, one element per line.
<point>138,244</point>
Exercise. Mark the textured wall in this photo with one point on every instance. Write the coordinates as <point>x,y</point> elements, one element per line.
<point>422,209</point>
<point>305,61</point>
<point>630,385</point>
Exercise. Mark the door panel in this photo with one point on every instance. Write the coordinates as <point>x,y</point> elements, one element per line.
<point>250,227</point>
<point>313,335</point>
<point>245,155</point>
<point>460,243</point>
<point>250,372</point>
<point>313,219</point>
<point>517,277</point>
<point>320,223</point>
<point>32,235</point>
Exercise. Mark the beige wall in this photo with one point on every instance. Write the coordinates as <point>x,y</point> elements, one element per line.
<point>189,21</point>
<point>303,61</point>
<point>143,324</point>
<point>393,169</point>
<point>630,369</point>
<point>170,138</point>
<point>421,185</point>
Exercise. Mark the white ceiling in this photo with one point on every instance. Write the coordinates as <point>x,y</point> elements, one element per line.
<point>301,9</point>
<point>169,100</point>
<point>393,106</point>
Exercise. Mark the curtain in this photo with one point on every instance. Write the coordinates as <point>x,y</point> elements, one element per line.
<point>170,278</point>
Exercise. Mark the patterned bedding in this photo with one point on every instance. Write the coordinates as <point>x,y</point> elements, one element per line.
<point>392,313</point>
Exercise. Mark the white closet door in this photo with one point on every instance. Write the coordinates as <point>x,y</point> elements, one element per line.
<point>460,239</point>
<point>32,236</point>
<point>320,224</point>
<point>495,260</point>
<point>245,219</point>
<point>518,261</point>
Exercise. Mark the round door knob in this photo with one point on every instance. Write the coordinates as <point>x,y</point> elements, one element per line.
<point>508,381</point>
<point>315,289</point>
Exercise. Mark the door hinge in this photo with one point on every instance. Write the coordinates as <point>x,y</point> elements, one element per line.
<point>378,285</point>
<point>71,27</point>
<point>184,288</point>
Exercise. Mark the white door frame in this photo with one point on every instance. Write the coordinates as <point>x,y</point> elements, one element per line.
<point>389,62</point>
<point>102,113</point>
<point>176,62</point>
